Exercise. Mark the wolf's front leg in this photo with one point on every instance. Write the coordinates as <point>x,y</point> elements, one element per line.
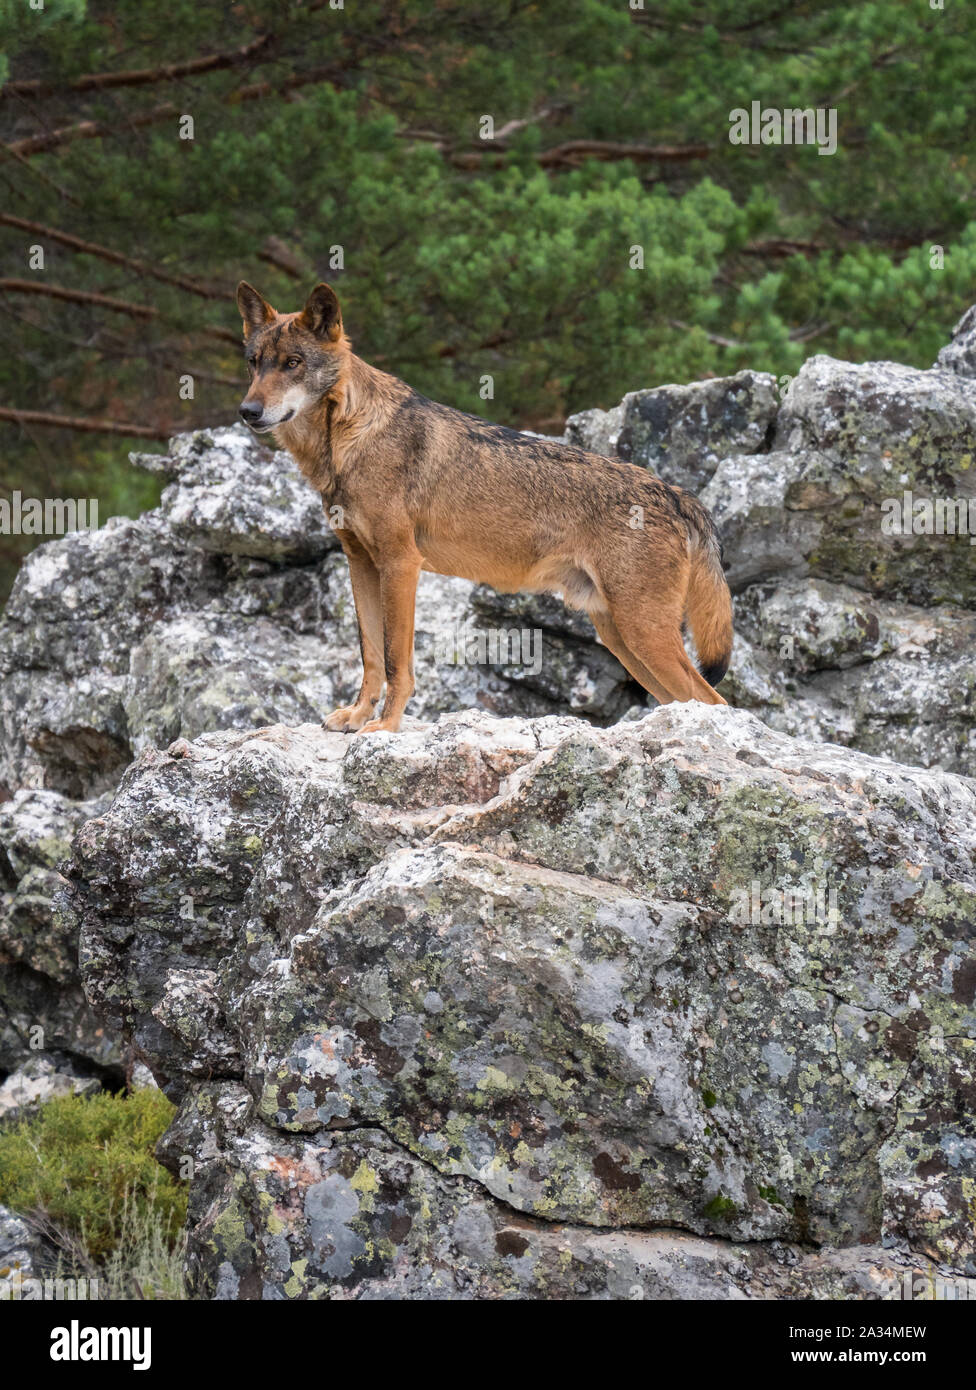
<point>398,594</point>
<point>369,615</point>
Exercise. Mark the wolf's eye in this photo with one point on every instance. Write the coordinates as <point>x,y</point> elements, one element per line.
<point>293,362</point>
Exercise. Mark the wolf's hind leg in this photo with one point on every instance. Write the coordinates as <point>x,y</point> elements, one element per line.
<point>659,647</point>
<point>612,640</point>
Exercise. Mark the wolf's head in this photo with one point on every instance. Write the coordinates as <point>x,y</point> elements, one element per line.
<point>294,360</point>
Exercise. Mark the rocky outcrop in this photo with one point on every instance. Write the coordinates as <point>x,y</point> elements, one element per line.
<point>229,607</point>
<point>512,984</point>
<point>850,510</point>
<point>502,1007</point>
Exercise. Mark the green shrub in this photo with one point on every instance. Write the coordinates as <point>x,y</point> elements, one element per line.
<point>86,1167</point>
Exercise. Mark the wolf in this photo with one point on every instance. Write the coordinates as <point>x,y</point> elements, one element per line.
<point>413,485</point>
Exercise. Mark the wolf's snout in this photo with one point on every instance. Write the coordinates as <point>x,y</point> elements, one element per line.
<point>250,412</point>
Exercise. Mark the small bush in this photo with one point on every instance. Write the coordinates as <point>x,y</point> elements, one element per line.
<point>85,1166</point>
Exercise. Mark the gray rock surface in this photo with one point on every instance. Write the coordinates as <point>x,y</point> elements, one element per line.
<point>682,432</point>
<point>231,495</point>
<point>686,972</point>
<point>38,1081</point>
<point>45,1020</point>
<point>959,355</point>
<point>355,1216</point>
<point>21,1253</point>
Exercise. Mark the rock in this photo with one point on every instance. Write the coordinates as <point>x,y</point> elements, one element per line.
<point>596,430</point>
<point>232,495</point>
<point>21,1252</point>
<point>853,440</point>
<point>491,975</point>
<point>883,676</point>
<point>204,671</point>
<point>959,355</point>
<point>682,432</point>
<point>38,1081</point>
<point>765,530</point>
<point>44,1017</point>
<point>355,1216</point>
<point>78,606</point>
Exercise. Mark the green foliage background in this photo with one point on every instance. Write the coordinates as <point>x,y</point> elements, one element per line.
<point>358,128</point>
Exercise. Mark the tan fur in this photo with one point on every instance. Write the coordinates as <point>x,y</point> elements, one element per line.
<point>415,486</point>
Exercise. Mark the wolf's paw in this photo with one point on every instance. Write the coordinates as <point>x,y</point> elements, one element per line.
<point>378,726</point>
<point>348,718</point>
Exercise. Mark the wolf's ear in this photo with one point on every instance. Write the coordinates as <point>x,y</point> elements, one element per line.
<point>255,311</point>
<point>322,315</point>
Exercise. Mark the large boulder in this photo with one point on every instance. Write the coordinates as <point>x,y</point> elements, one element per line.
<point>682,432</point>
<point>488,975</point>
<point>856,448</point>
<point>46,1026</point>
<point>231,495</point>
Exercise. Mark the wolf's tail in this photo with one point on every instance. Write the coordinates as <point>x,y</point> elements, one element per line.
<point>709,604</point>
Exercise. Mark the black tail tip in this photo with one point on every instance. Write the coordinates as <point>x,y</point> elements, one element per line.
<point>716,671</point>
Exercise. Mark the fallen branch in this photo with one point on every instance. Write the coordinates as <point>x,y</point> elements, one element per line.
<point>81,422</point>
<point>94,130</point>
<point>105,253</point>
<point>783,246</point>
<point>137,77</point>
<point>106,301</point>
<point>570,154</point>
